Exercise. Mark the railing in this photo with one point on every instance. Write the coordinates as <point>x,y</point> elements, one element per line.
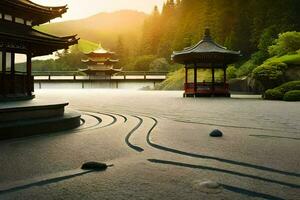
<point>206,88</point>
<point>75,76</point>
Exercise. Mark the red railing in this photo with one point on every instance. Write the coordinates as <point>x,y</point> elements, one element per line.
<point>206,88</point>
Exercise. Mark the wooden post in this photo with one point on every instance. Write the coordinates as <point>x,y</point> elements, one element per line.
<point>3,72</point>
<point>195,79</point>
<point>186,74</point>
<point>12,72</point>
<point>225,76</point>
<point>213,79</point>
<point>29,70</point>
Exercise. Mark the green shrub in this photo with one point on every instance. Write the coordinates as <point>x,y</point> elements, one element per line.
<point>286,43</point>
<point>273,94</point>
<point>270,74</point>
<point>231,72</point>
<point>293,95</point>
<point>286,87</point>
<point>246,68</point>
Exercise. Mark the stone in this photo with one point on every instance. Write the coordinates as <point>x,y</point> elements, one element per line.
<point>209,187</point>
<point>216,133</point>
<point>96,166</point>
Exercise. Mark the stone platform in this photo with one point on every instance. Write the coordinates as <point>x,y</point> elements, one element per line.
<point>26,118</point>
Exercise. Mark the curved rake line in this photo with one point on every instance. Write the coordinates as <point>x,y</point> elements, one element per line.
<point>113,117</point>
<point>125,118</point>
<point>166,162</point>
<point>152,144</point>
<point>82,121</point>
<point>127,138</point>
<point>99,121</point>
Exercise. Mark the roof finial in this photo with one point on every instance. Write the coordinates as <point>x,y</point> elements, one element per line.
<point>207,34</point>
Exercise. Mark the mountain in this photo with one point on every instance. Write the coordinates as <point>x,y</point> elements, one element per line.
<point>104,28</point>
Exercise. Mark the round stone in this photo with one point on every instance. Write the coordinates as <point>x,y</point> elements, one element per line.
<point>209,187</point>
<point>216,133</point>
<point>94,166</point>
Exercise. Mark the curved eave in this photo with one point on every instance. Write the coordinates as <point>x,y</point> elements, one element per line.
<point>28,10</point>
<point>205,57</point>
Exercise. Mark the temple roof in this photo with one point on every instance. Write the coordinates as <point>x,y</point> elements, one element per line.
<point>29,10</point>
<point>25,38</point>
<point>103,61</point>
<point>206,51</point>
<point>100,53</point>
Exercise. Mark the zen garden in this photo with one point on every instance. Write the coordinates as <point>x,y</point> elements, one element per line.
<point>150,99</point>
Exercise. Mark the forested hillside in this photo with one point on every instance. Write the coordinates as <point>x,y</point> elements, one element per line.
<point>237,24</point>
<point>146,42</point>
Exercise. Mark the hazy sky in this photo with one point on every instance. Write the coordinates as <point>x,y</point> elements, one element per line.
<point>84,8</point>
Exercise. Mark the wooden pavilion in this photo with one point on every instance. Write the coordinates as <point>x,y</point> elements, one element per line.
<point>206,55</point>
<point>18,37</point>
<point>100,63</point>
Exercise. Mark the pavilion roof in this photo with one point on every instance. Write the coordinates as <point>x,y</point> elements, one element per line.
<point>205,51</point>
<point>25,38</point>
<point>29,10</point>
<point>100,52</point>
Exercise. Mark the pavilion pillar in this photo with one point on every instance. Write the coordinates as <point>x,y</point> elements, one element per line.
<point>3,89</point>
<point>28,70</point>
<point>213,80</point>
<point>225,76</point>
<point>12,72</point>
<point>186,75</point>
<point>195,79</point>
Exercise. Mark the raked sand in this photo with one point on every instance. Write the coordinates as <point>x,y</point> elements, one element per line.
<point>160,147</point>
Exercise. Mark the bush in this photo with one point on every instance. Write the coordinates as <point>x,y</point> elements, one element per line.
<point>293,85</point>
<point>246,68</point>
<point>273,94</point>
<point>279,92</point>
<point>270,74</point>
<point>293,95</point>
<point>286,43</point>
<point>231,72</point>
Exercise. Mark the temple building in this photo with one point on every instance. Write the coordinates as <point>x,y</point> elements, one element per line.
<point>206,59</point>
<point>18,38</point>
<point>100,63</point>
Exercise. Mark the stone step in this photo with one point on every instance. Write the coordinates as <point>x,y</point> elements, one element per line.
<point>22,128</point>
<point>30,110</point>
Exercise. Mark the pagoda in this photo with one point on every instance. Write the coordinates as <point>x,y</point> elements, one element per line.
<point>17,36</point>
<point>101,63</point>
<point>206,55</point>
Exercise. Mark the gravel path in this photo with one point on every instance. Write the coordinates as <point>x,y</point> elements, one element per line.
<point>159,145</point>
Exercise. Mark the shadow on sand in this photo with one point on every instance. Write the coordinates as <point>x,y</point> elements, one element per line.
<point>228,187</point>
<point>244,164</point>
<point>43,182</point>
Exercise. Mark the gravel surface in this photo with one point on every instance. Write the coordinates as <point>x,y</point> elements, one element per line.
<point>157,146</point>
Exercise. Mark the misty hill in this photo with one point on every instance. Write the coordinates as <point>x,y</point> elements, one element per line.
<point>103,27</point>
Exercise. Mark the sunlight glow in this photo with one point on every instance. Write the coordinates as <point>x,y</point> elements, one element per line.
<point>81,8</point>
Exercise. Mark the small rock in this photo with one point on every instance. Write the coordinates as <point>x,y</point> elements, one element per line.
<point>94,166</point>
<point>216,133</point>
<point>209,187</point>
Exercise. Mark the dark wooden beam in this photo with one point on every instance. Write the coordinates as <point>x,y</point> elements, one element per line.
<point>29,72</point>
<point>3,85</point>
<point>213,79</point>
<point>12,72</point>
<point>195,79</point>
